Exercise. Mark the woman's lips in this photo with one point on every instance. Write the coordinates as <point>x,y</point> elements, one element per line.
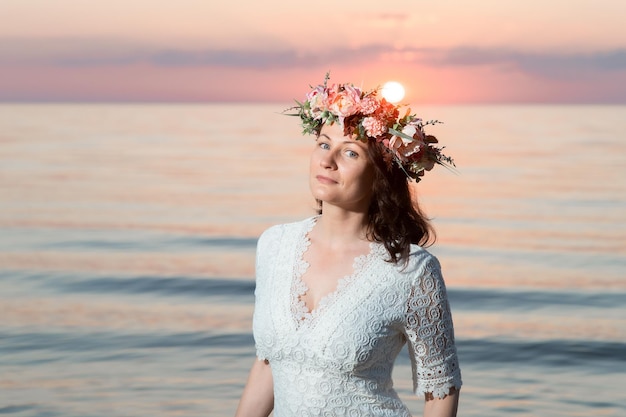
<point>325,180</point>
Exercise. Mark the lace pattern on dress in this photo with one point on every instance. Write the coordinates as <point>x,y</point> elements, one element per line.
<point>430,335</point>
<point>301,313</point>
<point>340,362</point>
<point>299,309</point>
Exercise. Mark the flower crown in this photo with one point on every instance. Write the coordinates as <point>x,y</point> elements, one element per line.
<point>365,116</point>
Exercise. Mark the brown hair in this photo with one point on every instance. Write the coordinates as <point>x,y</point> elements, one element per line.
<point>394,216</point>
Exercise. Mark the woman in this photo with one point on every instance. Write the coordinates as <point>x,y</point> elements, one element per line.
<point>339,294</point>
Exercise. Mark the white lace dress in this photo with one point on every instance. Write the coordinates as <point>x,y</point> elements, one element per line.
<point>338,359</point>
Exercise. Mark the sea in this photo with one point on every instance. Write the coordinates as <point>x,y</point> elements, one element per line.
<point>128,236</point>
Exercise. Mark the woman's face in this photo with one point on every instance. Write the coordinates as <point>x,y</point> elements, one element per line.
<point>341,173</point>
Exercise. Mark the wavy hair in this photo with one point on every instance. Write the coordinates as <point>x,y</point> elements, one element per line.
<point>394,216</point>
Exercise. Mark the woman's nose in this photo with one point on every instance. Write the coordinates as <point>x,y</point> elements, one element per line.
<point>328,160</point>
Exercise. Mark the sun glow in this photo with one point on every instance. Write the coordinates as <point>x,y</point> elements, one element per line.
<point>393,91</point>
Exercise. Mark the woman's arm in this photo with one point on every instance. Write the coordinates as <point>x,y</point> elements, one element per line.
<point>442,407</point>
<point>257,399</point>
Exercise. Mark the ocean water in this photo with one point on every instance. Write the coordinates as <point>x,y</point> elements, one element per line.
<point>128,232</point>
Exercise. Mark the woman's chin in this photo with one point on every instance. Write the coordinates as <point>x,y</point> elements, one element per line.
<point>320,191</point>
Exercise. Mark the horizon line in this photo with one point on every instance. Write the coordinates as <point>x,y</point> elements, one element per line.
<point>239,102</point>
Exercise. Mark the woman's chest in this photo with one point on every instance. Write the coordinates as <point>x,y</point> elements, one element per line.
<point>363,320</point>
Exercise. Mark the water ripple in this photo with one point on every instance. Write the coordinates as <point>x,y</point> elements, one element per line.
<point>516,299</point>
<point>89,240</point>
<point>177,286</point>
<point>112,346</point>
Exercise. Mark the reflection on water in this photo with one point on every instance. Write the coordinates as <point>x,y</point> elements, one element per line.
<point>127,239</point>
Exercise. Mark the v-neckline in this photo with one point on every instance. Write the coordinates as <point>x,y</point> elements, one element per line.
<point>301,313</point>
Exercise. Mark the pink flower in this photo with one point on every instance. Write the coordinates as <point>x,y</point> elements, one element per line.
<point>369,104</point>
<point>317,101</point>
<point>396,142</point>
<point>317,91</point>
<point>404,147</point>
<point>344,100</point>
<point>374,127</point>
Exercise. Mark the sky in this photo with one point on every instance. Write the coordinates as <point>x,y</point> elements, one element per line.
<point>443,52</point>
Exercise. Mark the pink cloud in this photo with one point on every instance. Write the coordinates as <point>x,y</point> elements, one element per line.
<point>119,72</point>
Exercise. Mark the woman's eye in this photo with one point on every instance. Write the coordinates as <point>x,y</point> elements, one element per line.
<point>324,145</point>
<point>352,154</point>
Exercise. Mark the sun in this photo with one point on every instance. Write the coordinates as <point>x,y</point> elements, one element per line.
<point>393,91</point>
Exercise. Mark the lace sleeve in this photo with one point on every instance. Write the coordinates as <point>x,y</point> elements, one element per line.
<point>266,257</point>
<point>430,334</point>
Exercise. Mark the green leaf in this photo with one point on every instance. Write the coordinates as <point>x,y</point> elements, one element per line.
<point>398,133</point>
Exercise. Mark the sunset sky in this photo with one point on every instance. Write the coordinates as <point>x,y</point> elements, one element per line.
<point>445,51</point>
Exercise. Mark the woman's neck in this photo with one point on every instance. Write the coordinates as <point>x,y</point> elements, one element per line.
<point>341,228</point>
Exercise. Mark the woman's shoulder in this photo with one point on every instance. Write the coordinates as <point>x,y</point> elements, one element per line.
<point>421,261</point>
<point>278,231</point>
